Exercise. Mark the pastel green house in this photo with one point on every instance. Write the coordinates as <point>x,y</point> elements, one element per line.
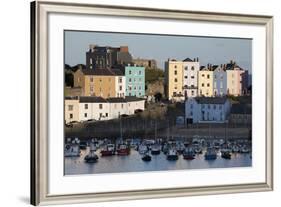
<point>135,80</point>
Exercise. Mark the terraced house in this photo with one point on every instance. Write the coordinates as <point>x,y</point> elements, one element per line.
<point>85,108</point>
<point>100,82</point>
<point>135,80</point>
<point>174,79</point>
<point>205,81</point>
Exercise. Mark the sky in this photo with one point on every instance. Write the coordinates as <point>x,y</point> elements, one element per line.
<point>161,47</point>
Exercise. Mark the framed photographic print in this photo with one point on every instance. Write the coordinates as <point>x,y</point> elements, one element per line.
<point>135,103</point>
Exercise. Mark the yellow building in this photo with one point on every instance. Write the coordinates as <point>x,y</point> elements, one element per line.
<point>205,82</point>
<point>97,82</point>
<point>174,79</point>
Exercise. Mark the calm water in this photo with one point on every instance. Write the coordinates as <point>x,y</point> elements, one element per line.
<point>134,163</point>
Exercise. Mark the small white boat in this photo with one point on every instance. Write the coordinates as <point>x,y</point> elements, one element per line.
<point>172,154</point>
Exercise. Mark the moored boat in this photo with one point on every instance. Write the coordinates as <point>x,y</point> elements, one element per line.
<point>155,150</point>
<point>188,154</point>
<point>226,154</point>
<point>123,149</point>
<point>172,155</point>
<point>108,150</point>
<point>146,157</point>
<point>91,157</point>
<point>210,154</point>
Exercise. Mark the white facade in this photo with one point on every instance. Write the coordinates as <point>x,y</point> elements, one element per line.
<point>97,108</point>
<point>120,86</point>
<point>207,110</point>
<point>190,77</point>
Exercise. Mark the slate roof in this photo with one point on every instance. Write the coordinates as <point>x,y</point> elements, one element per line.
<point>102,72</point>
<point>211,100</point>
<point>187,60</point>
<point>91,99</point>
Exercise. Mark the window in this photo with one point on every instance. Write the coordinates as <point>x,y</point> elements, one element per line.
<point>215,77</point>
<point>70,116</point>
<point>192,68</point>
<point>120,88</point>
<point>86,106</point>
<point>176,87</point>
<point>191,106</point>
<point>85,114</point>
<point>122,106</point>
<point>209,106</point>
<point>100,115</point>
<point>70,107</point>
<point>139,87</point>
<point>91,79</point>
<point>91,88</point>
<point>140,72</point>
<point>191,114</point>
<point>120,80</point>
<point>215,106</point>
<point>130,79</point>
<point>186,68</point>
<point>106,114</point>
<point>208,76</point>
<point>139,93</point>
<point>130,72</point>
<point>100,106</point>
<point>208,84</point>
<point>192,92</point>
<point>175,72</point>
<point>100,80</point>
<point>203,75</point>
<point>202,84</point>
<point>175,66</point>
<point>140,80</point>
<point>176,80</point>
<point>185,77</point>
<point>192,77</point>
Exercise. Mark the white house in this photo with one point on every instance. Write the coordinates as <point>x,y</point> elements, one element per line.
<point>91,107</point>
<point>207,110</point>
<point>84,108</point>
<point>190,77</point>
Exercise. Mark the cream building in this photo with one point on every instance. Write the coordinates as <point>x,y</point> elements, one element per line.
<point>234,81</point>
<point>174,79</point>
<point>205,82</point>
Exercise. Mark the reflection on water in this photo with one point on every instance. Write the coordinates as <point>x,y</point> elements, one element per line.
<point>134,163</point>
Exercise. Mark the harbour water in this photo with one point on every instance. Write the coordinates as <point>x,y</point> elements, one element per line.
<point>134,163</point>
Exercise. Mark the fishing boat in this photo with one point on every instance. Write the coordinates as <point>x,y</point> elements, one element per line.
<point>210,154</point>
<point>172,154</point>
<point>198,150</point>
<point>155,149</point>
<point>235,149</point>
<point>91,157</point>
<point>143,149</point>
<point>108,150</point>
<point>245,149</point>
<point>188,154</point>
<point>146,157</point>
<point>123,149</point>
<point>72,148</point>
<point>226,154</point>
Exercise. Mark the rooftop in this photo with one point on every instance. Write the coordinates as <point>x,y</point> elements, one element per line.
<point>210,100</point>
<point>102,72</point>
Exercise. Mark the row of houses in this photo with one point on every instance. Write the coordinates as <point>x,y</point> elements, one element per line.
<point>216,110</point>
<point>83,108</point>
<point>106,83</point>
<point>188,79</point>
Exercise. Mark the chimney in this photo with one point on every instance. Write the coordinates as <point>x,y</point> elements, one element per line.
<point>124,49</point>
<point>194,60</point>
<point>231,61</point>
<point>197,59</point>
